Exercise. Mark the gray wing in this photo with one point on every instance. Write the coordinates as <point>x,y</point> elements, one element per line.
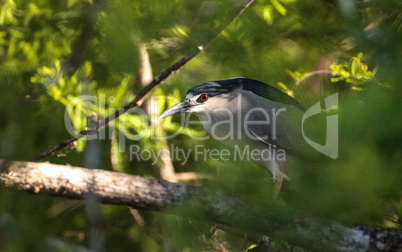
<point>284,131</point>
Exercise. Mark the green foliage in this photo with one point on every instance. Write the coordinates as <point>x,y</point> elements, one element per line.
<point>56,54</point>
<point>354,72</point>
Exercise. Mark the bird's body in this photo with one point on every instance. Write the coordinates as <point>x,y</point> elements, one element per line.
<point>248,114</point>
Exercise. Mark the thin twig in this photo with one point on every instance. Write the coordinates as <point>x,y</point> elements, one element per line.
<point>187,176</point>
<point>141,95</point>
<point>141,223</point>
<point>317,72</point>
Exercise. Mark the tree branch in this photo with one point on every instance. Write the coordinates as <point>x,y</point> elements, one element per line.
<point>155,82</point>
<point>195,202</point>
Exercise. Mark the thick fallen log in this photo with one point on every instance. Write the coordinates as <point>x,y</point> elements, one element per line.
<point>196,202</point>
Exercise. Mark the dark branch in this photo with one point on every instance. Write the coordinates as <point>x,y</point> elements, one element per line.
<point>80,45</point>
<point>155,82</point>
<point>195,202</point>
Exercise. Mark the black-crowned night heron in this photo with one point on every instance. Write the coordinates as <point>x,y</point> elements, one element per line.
<point>249,114</point>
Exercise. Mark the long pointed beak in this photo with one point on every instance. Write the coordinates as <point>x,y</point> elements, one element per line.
<point>179,108</point>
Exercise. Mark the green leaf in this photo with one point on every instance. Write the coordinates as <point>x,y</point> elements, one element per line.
<point>279,7</point>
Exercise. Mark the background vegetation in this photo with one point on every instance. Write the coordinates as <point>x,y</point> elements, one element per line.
<point>52,52</point>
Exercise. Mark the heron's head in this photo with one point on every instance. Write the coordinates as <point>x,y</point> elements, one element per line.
<point>203,97</point>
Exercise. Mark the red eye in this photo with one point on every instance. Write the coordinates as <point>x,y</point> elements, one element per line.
<point>203,97</point>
